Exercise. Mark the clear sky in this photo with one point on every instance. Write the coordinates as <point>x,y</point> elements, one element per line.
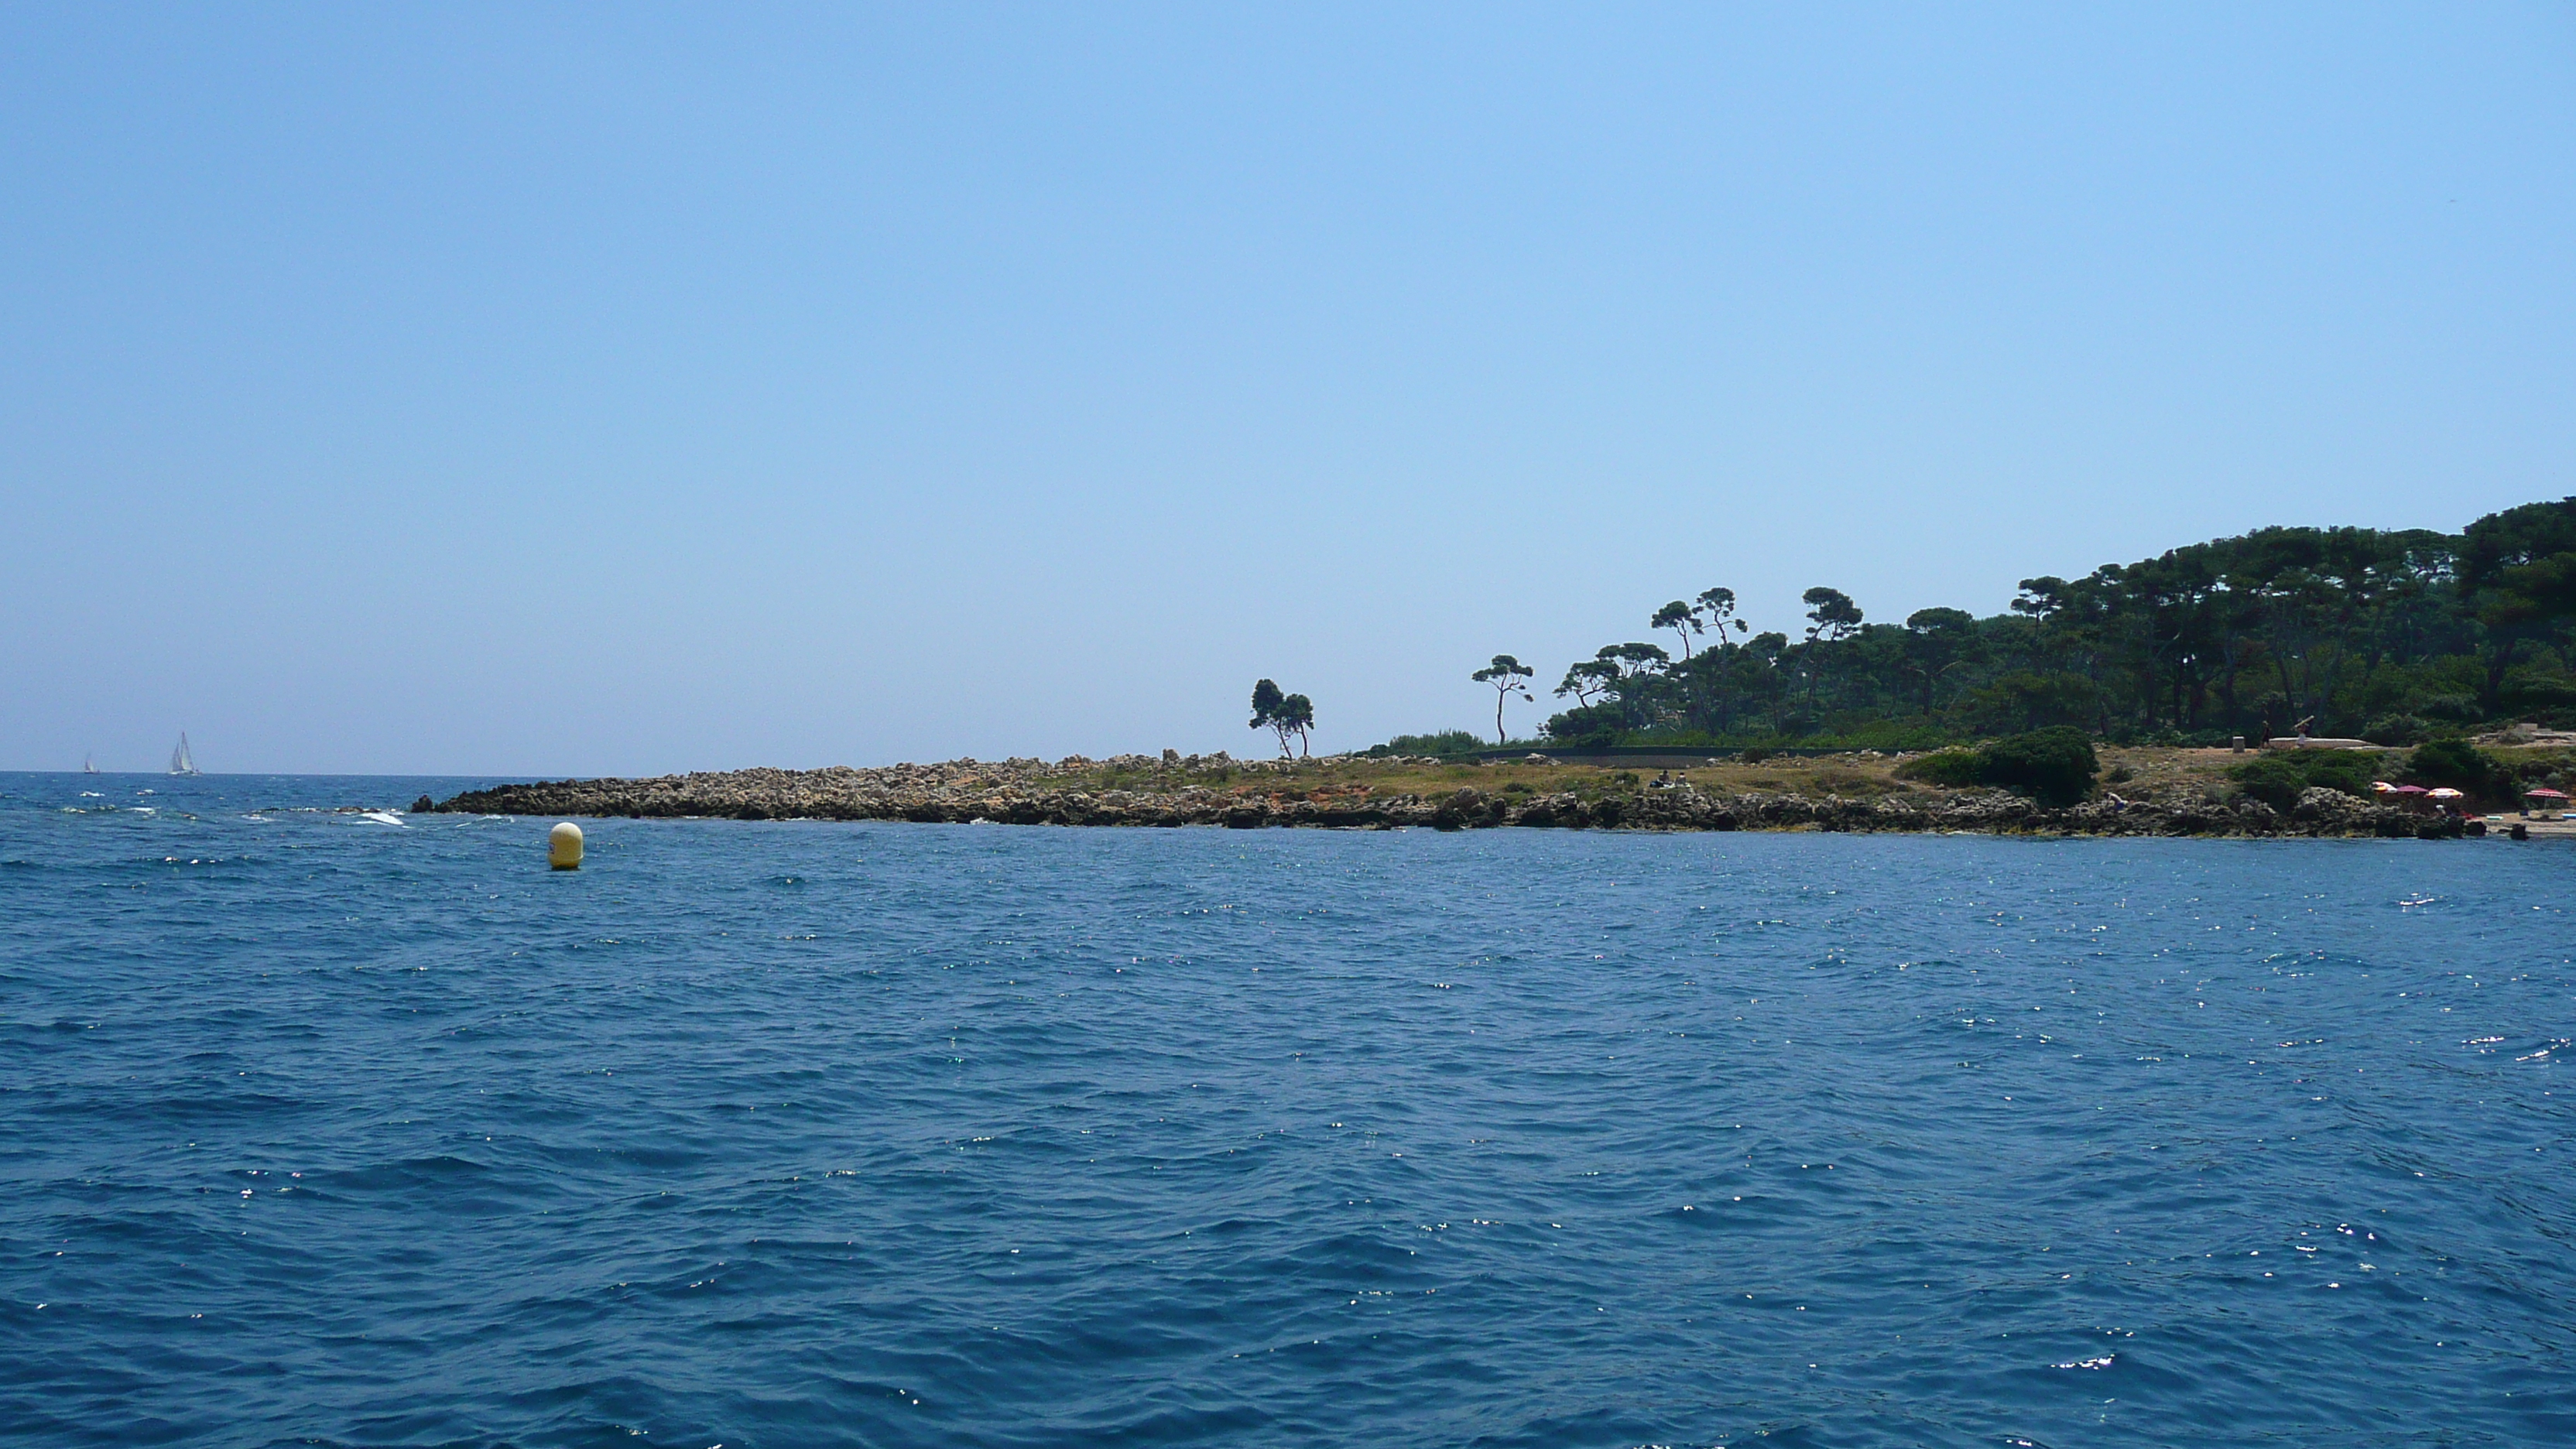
<point>553,390</point>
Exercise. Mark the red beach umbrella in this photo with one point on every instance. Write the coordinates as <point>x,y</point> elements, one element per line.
<point>2407,790</point>
<point>2545,793</point>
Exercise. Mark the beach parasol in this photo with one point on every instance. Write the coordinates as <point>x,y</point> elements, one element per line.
<point>2407,790</point>
<point>2545,793</point>
<point>2382,787</point>
<point>2445,793</point>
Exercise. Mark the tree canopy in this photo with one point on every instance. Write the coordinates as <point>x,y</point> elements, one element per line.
<point>2395,635</point>
<point>1506,674</point>
<point>1290,716</point>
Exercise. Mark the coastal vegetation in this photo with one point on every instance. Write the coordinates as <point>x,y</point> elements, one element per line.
<point>1290,716</point>
<point>1505,674</point>
<point>2109,704</point>
<point>2394,636</point>
<point>2280,777</point>
<point>2054,766</point>
<point>2009,787</point>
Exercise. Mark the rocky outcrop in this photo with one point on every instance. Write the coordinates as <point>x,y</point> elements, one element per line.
<point>1172,790</point>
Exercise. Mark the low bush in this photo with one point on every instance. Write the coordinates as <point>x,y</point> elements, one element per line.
<point>1446,742</point>
<point>2278,776</point>
<point>2456,763</point>
<point>2528,696</point>
<point>2053,766</point>
<point>2350,771</point>
<point>2394,729</point>
<point>2274,779</point>
<point>1589,724</point>
<point>1953,768</point>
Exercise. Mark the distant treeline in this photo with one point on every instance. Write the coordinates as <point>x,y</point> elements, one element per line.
<point>2392,636</point>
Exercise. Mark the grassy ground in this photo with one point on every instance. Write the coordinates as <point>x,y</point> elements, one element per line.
<point>1855,775</point>
<point>2139,773</point>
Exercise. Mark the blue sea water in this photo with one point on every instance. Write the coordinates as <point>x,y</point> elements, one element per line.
<point>315,1129</point>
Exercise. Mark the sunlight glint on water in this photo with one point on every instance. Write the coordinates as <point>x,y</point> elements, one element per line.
<point>323,1128</point>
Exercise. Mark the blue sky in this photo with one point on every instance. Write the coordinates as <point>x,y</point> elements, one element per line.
<point>560,390</point>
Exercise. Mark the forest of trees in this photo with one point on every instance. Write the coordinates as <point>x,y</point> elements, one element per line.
<point>2393,636</point>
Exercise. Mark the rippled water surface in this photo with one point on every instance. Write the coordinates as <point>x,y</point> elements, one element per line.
<point>319,1129</point>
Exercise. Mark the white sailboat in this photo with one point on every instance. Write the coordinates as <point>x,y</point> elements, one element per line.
<point>180,762</point>
<point>89,765</point>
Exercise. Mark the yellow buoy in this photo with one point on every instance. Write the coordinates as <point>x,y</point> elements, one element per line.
<point>563,846</point>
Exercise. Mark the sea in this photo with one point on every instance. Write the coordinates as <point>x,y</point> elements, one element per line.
<point>319,1128</point>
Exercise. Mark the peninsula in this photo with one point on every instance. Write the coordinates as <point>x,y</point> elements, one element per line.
<point>2153,791</point>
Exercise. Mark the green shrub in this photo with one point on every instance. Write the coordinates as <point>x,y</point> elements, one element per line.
<point>1446,742</point>
<point>2053,766</point>
<point>2394,729</point>
<point>2456,763</point>
<point>2274,779</point>
<point>1886,736</point>
<point>1953,768</point>
<point>2527,696</point>
<point>2350,771</point>
<point>1589,724</point>
<point>2277,777</point>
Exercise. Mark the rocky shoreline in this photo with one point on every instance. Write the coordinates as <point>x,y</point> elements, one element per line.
<point>1137,790</point>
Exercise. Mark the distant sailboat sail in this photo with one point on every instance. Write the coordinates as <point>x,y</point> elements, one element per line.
<point>89,765</point>
<point>180,763</point>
